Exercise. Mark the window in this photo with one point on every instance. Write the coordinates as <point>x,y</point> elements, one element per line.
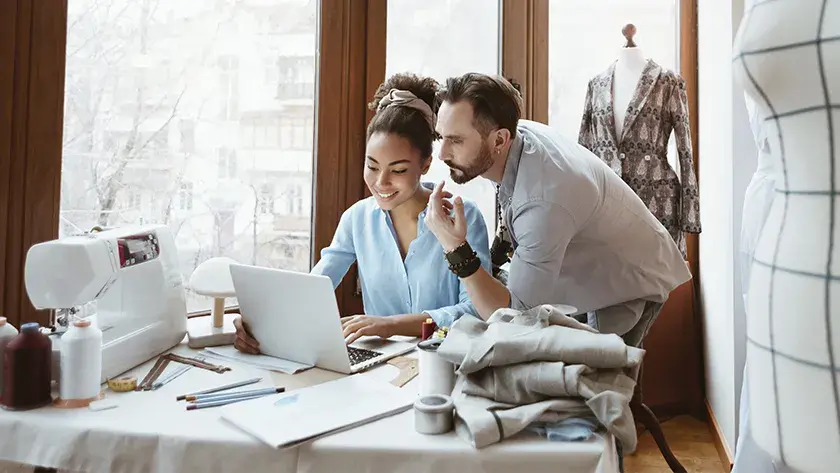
<point>295,77</point>
<point>229,87</point>
<point>135,199</point>
<point>597,24</point>
<point>201,75</point>
<point>299,129</point>
<point>227,163</point>
<point>263,132</point>
<point>420,39</point>
<point>187,128</point>
<point>185,196</point>
<point>298,200</point>
<point>266,199</point>
<point>270,71</point>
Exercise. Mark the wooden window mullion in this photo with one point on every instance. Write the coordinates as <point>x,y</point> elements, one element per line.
<point>352,65</point>
<point>525,53</point>
<point>32,59</point>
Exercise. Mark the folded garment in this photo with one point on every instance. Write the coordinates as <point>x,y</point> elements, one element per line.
<point>538,381</point>
<point>572,429</point>
<point>506,338</point>
<point>519,368</point>
<point>481,421</point>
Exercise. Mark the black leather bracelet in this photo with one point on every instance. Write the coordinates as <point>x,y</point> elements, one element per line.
<point>460,254</point>
<point>469,268</point>
<point>463,261</point>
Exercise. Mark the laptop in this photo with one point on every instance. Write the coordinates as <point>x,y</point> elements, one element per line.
<point>294,316</point>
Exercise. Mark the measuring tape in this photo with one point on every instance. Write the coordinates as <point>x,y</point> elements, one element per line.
<point>123,385</point>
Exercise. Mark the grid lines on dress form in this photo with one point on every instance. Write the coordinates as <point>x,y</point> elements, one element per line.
<point>832,203</point>
<point>772,265</point>
<point>797,195</point>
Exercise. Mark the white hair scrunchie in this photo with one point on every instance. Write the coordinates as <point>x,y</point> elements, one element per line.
<point>405,98</point>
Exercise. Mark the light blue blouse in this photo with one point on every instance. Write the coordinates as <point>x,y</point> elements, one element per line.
<point>390,285</point>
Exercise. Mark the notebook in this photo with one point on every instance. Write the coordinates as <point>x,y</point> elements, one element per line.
<point>259,361</point>
<point>291,418</point>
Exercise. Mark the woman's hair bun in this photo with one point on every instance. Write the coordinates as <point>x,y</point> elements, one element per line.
<point>425,88</point>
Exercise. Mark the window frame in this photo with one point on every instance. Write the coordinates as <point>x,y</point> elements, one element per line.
<point>351,64</point>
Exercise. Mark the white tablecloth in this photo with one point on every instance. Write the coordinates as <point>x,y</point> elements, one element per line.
<point>151,432</point>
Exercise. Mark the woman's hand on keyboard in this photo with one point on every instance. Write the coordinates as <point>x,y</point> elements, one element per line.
<point>244,341</point>
<point>367,325</point>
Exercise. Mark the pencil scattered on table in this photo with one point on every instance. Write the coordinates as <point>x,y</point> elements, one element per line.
<point>220,388</point>
<point>217,396</point>
<point>231,398</point>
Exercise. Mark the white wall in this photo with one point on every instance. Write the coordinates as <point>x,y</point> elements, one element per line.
<point>727,161</point>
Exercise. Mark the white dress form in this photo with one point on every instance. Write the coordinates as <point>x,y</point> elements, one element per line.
<point>793,316</point>
<point>629,66</point>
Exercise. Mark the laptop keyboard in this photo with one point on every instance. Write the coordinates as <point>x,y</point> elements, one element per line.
<point>360,355</point>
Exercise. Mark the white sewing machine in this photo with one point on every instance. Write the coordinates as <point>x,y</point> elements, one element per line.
<point>132,275</point>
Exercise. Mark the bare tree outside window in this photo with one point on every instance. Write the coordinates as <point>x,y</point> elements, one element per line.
<point>154,89</point>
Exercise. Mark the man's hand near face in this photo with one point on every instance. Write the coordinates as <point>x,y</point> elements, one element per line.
<point>450,231</point>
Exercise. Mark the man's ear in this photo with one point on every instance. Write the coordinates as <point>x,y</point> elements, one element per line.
<point>502,138</point>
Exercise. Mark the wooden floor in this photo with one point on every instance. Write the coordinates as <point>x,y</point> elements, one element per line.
<point>689,439</point>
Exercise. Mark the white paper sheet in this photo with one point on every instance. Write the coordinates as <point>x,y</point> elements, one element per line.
<point>258,361</point>
<point>288,419</point>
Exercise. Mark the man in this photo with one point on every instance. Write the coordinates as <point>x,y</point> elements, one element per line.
<point>580,235</point>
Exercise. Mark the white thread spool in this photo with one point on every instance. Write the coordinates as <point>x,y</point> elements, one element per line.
<point>81,362</point>
<point>437,376</point>
<point>433,414</point>
<point>7,333</point>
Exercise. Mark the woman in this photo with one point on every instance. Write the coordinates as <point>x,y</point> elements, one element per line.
<point>404,279</point>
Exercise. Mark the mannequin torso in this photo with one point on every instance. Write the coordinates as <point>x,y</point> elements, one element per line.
<point>628,69</point>
<point>794,391</point>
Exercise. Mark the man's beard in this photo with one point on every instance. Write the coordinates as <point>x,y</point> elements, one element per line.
<point>464,174</point>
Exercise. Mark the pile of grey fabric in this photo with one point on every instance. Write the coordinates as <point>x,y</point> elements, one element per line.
<point>520,369</point>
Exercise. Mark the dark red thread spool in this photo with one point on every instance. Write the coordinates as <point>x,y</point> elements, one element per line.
<point>28,370</point>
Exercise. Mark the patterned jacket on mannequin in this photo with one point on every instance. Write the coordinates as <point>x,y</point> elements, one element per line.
<point>640,155</point>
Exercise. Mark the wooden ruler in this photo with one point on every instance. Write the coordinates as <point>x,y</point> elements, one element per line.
<point>153,375</point>
<point>150,381</point>
<point>408,370</point>
<point>197,363</point>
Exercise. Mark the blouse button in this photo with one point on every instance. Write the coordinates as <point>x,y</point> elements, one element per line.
<point>647,157</point>
<point>621,156</point>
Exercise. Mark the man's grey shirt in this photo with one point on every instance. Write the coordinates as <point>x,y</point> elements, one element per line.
<point>581,236</point>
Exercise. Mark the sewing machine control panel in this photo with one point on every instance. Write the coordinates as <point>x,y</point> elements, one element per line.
<point>137,249</point>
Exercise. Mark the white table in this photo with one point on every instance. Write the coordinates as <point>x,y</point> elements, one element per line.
<point>152,432</point>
